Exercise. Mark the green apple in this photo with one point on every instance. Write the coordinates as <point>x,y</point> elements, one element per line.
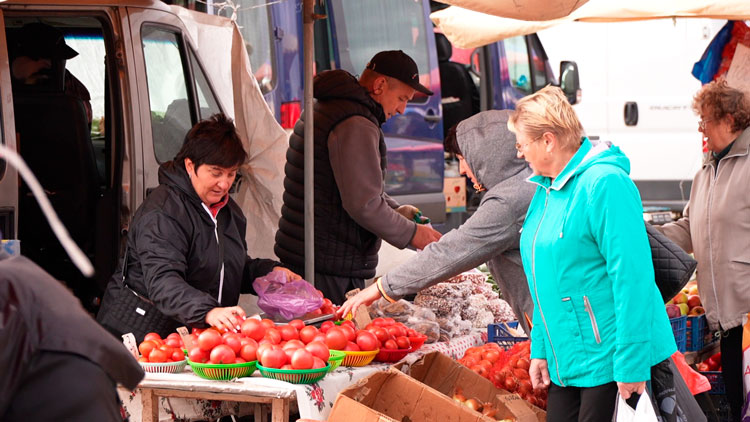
<point>684,309</point>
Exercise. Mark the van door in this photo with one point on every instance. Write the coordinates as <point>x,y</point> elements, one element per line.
<point>8,174</point>
<point>356,31</point>
<point>174,91</point>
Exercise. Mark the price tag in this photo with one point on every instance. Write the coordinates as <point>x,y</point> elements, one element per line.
<point>129,341</point>
<point>185,336</point>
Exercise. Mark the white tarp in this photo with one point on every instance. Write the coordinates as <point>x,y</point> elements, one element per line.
<point>260,193</point>
<point>469,29</point>
<point>536,10</point>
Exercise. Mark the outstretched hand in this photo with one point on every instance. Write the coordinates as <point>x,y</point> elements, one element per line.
<point>290,275</point>
<point>364,297</point>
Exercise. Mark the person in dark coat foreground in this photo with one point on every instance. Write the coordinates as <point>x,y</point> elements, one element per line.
<point>186,251</point>
<point>58,364</point>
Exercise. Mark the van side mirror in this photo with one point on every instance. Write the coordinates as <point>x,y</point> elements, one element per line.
<point>569,81</point>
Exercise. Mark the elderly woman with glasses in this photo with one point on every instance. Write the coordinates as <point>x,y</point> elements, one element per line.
<point>716,224</point>
<point>599,322</point>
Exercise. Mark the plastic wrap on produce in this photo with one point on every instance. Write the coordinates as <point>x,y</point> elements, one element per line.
<point>413,316</point>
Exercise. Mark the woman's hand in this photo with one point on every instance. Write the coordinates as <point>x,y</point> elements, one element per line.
<point>539,374</point>
<point>364,297</point>
<point>408,211</point>
<point>228,318</point>
<point>290,275</point>
<point>628,388</point>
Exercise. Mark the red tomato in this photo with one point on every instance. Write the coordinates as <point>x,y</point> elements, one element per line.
<point>293,344</point>
<point>173,342</point>
<point>268,323</point>
<point>327,325</point>
<point>146,347</point>
<point>233,341</point>
<point>287,367</point>
<point>388,321</point>
<point>336,339</point>
<point>197,331</point>
<point>348,323</point>
<point>390,344</point>
<point>297,323</point>
<point>262,348</point>
<point>379,322</point>
<point>197,355</point>
<point>403,342</point>
<point>318,363</point>
<point>239,360</point>
<point>321,337</point>
<point>222,354</point>
<point>248,351</point>
<point>274,335</point>
<point>393,331</point>
<point>178,355</point>
<point>289,353</point>
<point>307,334</point>
<point>319,349</point>
<point>288,332</point>
<point>209,339</point>
<point>302,359</point>
<point>351,333</point>
<point>253,328</point>
<point>273,358</point>
<point>142,359</point>
<point>381,334</point>
<point>152,336</point>
<point>352,347</point>
<point>158,356</point>
<point>367,340</point>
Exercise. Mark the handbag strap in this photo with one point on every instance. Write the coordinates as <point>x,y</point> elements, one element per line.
<point>124,272</point>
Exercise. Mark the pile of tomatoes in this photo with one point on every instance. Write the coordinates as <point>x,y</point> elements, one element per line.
<point>326,308</point>
<point>154,349</point>
<point>393,335</point>
<point>711,364</point>
<point>507,369</point>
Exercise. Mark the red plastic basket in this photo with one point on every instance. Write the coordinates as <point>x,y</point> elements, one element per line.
<point>392,355</point>
<point>417,342</point>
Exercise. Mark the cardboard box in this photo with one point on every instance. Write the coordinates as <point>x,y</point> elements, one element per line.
<point>454,189</point>
<point>444,374</point>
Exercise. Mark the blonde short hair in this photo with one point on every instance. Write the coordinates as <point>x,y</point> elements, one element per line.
<point>548,110</point>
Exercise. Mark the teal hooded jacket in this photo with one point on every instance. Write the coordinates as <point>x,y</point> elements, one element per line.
<point>598,314</point>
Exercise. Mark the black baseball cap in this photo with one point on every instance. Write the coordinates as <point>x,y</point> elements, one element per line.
<point>398,65</point>
<point>41,41</point>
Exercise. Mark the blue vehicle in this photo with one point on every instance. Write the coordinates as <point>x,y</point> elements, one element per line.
<point>465,82</point>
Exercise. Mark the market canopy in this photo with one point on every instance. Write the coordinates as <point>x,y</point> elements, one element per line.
<point>470,28</point>
<point>530,10</point>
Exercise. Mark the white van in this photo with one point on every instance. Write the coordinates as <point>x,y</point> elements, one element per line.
<point>637,94</point>
<point>152,72</point>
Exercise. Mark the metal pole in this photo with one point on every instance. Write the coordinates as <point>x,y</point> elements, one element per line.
<point>308,19</point>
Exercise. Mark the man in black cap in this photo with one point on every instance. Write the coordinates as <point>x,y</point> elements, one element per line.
<point>38,53</point>
<point>352,211</point>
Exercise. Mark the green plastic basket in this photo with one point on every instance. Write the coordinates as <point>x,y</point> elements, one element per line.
<point>335,359</point>
<point>217,371</point>
<point>165,367</point>
<point>295,376</point>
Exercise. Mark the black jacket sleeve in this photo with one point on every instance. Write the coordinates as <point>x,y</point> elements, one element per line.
<point>254,268</point>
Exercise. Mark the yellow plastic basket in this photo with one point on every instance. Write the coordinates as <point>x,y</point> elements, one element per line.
<point>217,371</point>
<point>335,359</point>
<point>359,358</point>
<point>164,368</point>
<point>295,376</point>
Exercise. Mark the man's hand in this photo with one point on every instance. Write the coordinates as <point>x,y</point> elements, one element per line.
<point>408,211</point>
<point>539,374</point>
<point>228,318</point>
<point>364,297</point>
<point>424,236</point>
<point>290,275</point>
<point>627,388</point>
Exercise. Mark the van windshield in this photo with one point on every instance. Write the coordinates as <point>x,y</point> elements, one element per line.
<point>364,28</point>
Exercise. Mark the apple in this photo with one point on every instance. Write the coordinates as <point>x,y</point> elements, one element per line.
<point>673,311</point>
<point>680,298</point>
<point>693,290</point>
<point>693,301</point>
<point>683,308</point>
<point>697,310</point>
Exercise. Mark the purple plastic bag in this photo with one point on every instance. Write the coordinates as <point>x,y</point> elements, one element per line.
<point>289,299</point>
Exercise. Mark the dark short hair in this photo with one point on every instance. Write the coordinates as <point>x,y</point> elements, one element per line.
<point>213,141</point>
<point>450,143</point>
<point>721,99</point>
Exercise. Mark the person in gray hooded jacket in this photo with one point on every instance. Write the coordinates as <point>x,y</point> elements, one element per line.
<point>487,155</point>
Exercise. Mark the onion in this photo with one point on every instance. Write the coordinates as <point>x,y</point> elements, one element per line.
<point>489,410</point>
<point>459,396</point>
<point>473,404</point>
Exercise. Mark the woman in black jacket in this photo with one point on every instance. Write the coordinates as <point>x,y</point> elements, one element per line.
<point>186,259</point>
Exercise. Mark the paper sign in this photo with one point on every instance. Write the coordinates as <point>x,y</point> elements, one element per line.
<point>738,75</point>
<point>186,340</point>
<point>129,341</point>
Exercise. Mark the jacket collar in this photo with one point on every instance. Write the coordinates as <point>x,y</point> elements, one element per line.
<point>740,148</point>
<point>585,151</point>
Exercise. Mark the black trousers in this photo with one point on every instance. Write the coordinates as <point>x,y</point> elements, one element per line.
<point>64,387</point>
<point>571,404</point>
<point>731,369</point>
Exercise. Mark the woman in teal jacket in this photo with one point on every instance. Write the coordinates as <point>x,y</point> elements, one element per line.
<point>599,321</point>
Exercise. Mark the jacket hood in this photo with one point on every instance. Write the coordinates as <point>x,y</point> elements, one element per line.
<point>175,175</point>
<point>489,147</point>
<point>340,84</point>
<point>589,154</point>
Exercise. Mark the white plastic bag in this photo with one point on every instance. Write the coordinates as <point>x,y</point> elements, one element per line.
<point>644,410</point>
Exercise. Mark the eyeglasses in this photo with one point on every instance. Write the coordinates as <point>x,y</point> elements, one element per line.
<point>702,123</point>
<point>521,147</point>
